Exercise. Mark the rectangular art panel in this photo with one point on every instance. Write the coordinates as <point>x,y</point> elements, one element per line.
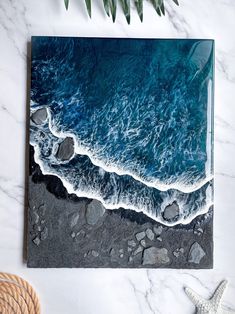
<point>121,153</point>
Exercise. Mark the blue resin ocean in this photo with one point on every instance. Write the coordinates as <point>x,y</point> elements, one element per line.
<point>140,114</point>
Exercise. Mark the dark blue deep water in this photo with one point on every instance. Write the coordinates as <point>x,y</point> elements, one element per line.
<point>140,112</point>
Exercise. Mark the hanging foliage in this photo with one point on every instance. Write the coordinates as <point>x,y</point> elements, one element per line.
<point>110,7</point>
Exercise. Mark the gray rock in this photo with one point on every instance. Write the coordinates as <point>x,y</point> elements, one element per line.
<point>158,230</point>
<point>73,219</point>
<point>39,116</point>
<point>72,235</point>
<point>94,253</point>
<point>178,252</point>
<point>36,240</point>
<point>138,250</point>
<point>143,243</point>
<point>131,243</point>
<point>37,227</point>
<point>112,252</point>
<point>121,251</point>
<point>42,210</point>
<point>155,256</point>
<point>81,234</point>
<point>95,210</point>
<point>159,239</point>
<point>196,253</point>
<point>171,212</point>
<point>130,259</point>
<point>40,228</point>
<point>66,149</point>
<point>121,255</point>
<point>149,234</point>
<point>140,235</point>
<point>198,231</point>
<point>35,218</point>
<point>44,234</point>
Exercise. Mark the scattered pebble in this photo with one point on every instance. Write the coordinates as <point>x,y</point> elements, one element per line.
<point>81,234</point>
<point>196,253</point>
<point>94,253</point>
<point>42,209</point>
<point>73,219</point>
<point>158,230</point>
<point>143,243</point>
<point>131,243</point>
<point>198,231</point>
<point>156,256</point>
<point>138,250</point>
<point>140,235</point>
<point>65,149</point>
<point>95,210</point>
<point>36,240</point>
<point>149,234</point>
<point>44,234</point>
<point>178,252</point>
<point>37,227</point>
<point>114,255</point>
<point>112,252</point>
<point>35,218</point>
<point>171,212</point>
<point>39,116</point>
<point>73,235</point>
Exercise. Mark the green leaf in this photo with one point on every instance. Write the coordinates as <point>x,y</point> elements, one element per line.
<point>139,7</point>
<point>126,9</point>
<point>106,6</point>
<point>156,4</point>
<point>159,12</point>
<point>88,6</point>
<point>113,8</point>
<point>110,7</point>
<point>66,3</point>
<point>162,8</point>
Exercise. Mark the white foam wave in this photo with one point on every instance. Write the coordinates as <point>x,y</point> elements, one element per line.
<point>93,195</point>
<point>80,150</point>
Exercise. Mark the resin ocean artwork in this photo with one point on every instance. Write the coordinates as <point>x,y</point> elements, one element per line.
<point>121,153</point>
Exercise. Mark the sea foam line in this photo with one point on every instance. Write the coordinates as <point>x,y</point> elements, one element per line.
<point>93,195</point>
<point>79,150</point>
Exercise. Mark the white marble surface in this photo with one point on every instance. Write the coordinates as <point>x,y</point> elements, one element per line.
<point>118,291</point>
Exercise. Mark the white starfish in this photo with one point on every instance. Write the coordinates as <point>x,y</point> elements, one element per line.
<point>211,306</point>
